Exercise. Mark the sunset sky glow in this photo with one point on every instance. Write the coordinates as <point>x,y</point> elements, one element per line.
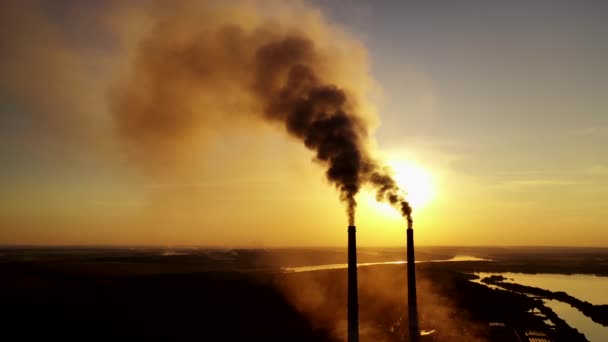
<point>493,115</point>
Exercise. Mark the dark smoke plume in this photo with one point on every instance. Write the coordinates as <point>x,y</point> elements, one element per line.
<point>318,114</point>
<point>277,70</point>
<point>176,72</point>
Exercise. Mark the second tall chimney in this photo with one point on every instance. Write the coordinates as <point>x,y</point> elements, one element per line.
<point>353,300</point>
<point>414,334</point>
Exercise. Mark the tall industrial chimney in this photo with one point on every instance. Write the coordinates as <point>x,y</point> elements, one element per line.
<point>414,333</point>
<point>353,300</point>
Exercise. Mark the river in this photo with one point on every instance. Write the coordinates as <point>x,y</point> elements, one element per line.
<point>339,266</point>
<point>585,287</point>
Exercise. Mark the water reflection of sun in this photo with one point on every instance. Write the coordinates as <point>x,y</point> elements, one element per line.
<point>415,181</point>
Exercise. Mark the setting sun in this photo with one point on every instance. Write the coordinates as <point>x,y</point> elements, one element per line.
<point>251,170</point>
<point>415,181</point>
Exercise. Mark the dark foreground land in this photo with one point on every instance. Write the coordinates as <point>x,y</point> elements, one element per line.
<point>105,294</point>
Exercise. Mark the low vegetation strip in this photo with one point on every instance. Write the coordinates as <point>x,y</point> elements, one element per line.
<point>598,313</point>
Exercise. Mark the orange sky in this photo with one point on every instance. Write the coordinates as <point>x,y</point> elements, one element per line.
<point>508,129</point>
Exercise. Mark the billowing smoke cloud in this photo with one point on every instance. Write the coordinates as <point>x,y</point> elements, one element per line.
<point>176,72</point>
<point>270,70</point>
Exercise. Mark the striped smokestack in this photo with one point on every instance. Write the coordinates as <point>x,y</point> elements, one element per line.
<point>353,300</point>
<point>414,333</point>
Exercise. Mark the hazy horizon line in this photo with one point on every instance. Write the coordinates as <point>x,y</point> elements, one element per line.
<point>123,246</point>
